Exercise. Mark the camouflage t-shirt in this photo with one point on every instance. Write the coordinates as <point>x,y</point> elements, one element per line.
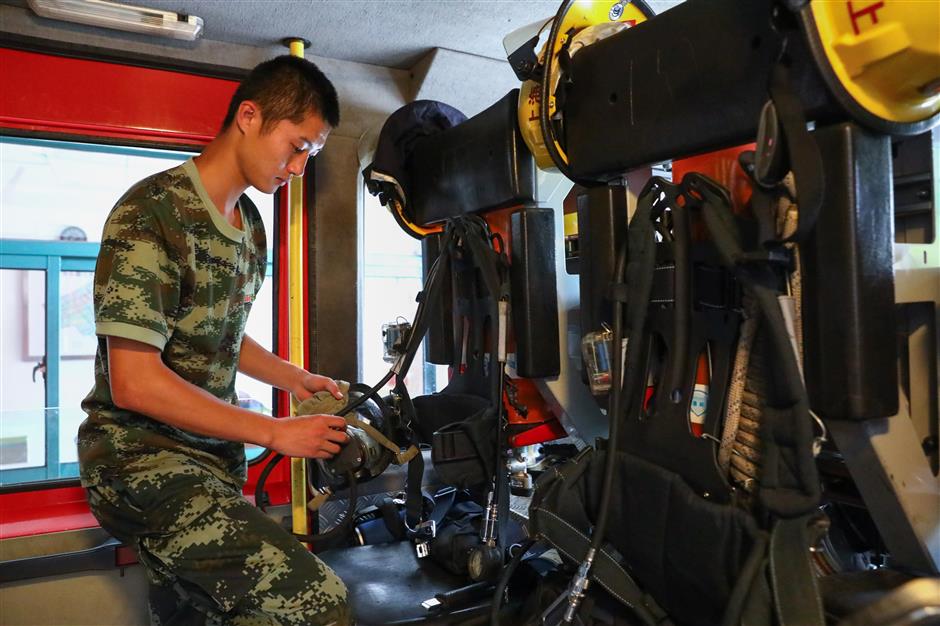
<point>172,273</point>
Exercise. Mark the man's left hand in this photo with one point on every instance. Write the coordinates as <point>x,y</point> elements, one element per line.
<point>309,384</point>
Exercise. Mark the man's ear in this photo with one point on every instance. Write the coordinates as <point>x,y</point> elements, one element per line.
<point>247,115</point>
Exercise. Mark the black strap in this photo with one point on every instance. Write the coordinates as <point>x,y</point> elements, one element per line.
<point>443,503</point>
<point>413,499</point>
<point>744,594</point>
<point>392,517</point>
<point>682,323</point>
<point>796,596</point>
<point>713,287</point>
<point>805,158</point>
<point>428,299</point>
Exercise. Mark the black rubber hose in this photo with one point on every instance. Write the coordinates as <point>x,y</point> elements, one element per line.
<point>411,346</point>
<point>260,495</point>
<point>355,404</point>
<point>504,580</point>
<point>431,286</point>
<point>264,456</point>
<point>615,407</point>
<point>334,535</point>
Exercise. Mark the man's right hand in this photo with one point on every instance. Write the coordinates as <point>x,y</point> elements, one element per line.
<point>310,436</point>
<point>141,382</point>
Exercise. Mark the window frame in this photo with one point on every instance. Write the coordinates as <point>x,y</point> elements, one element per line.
<point>62,107</point>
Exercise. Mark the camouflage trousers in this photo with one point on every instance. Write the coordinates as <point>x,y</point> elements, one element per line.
<point>212,557</point>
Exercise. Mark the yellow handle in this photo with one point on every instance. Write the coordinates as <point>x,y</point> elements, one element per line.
<point>296,325</point>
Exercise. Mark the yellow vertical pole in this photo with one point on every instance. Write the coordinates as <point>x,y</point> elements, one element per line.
<point>296,322</point>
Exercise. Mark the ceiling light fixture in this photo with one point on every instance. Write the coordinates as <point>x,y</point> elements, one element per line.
<point>121,17</point>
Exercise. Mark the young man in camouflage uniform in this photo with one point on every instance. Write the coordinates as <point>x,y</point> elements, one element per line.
<point>162,450</point>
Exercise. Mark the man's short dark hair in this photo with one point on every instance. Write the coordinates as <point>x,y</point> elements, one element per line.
<point>286,88</point>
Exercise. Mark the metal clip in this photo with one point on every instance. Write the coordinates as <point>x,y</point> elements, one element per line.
<point>319,499</point>
<point>404,456</point>
<point>425,530</point>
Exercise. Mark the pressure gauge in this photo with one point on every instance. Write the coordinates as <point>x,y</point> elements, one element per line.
<point>484,562</point>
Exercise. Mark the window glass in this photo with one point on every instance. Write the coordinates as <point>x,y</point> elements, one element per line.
<point>78,346</point>
<point>392,278</point>
<point>55,190</point>
<point>22,389</point>
<point>254,394</point>
<point>76,184</point>
<point>260,327</point>
<point>54,199</point>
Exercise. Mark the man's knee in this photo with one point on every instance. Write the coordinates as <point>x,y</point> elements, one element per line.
<point>302,590</point>
<point>231,557</point>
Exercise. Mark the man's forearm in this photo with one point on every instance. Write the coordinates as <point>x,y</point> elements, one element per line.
<point>261,364</point>
<point>140,382</point>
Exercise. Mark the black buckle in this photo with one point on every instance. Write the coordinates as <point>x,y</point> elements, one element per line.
<point>776,255</point>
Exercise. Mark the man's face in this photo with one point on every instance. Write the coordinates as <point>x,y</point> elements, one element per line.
<point>271,156</point>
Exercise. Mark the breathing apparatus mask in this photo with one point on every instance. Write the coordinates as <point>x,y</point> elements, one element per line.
<point>373,427</point>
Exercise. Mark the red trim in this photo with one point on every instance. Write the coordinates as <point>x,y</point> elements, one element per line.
<point>283,305</point>
<point>42,92</point>
<point>26,513</point>
<point>46,511</point>
<point>527,395</point>
<point>278,484</point>
<point>103,130</point>
<point>124,556</point>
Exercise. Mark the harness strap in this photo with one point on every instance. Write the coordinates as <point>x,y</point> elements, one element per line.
<point>414,500</point>
<point>401,456</point>
<point>471,234</point>
<point>606,571</point>
<point>804,159</point>
<point>712,287</point>
<point>796,596</point>
<point>790,483</point>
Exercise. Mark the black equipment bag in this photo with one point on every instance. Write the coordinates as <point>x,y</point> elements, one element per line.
<point>684,552</point>
<point>464,452</point>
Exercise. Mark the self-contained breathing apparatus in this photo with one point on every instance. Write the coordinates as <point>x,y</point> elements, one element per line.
<point>691,314</point>
<point>465,421</point>
<point>694,546</point>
